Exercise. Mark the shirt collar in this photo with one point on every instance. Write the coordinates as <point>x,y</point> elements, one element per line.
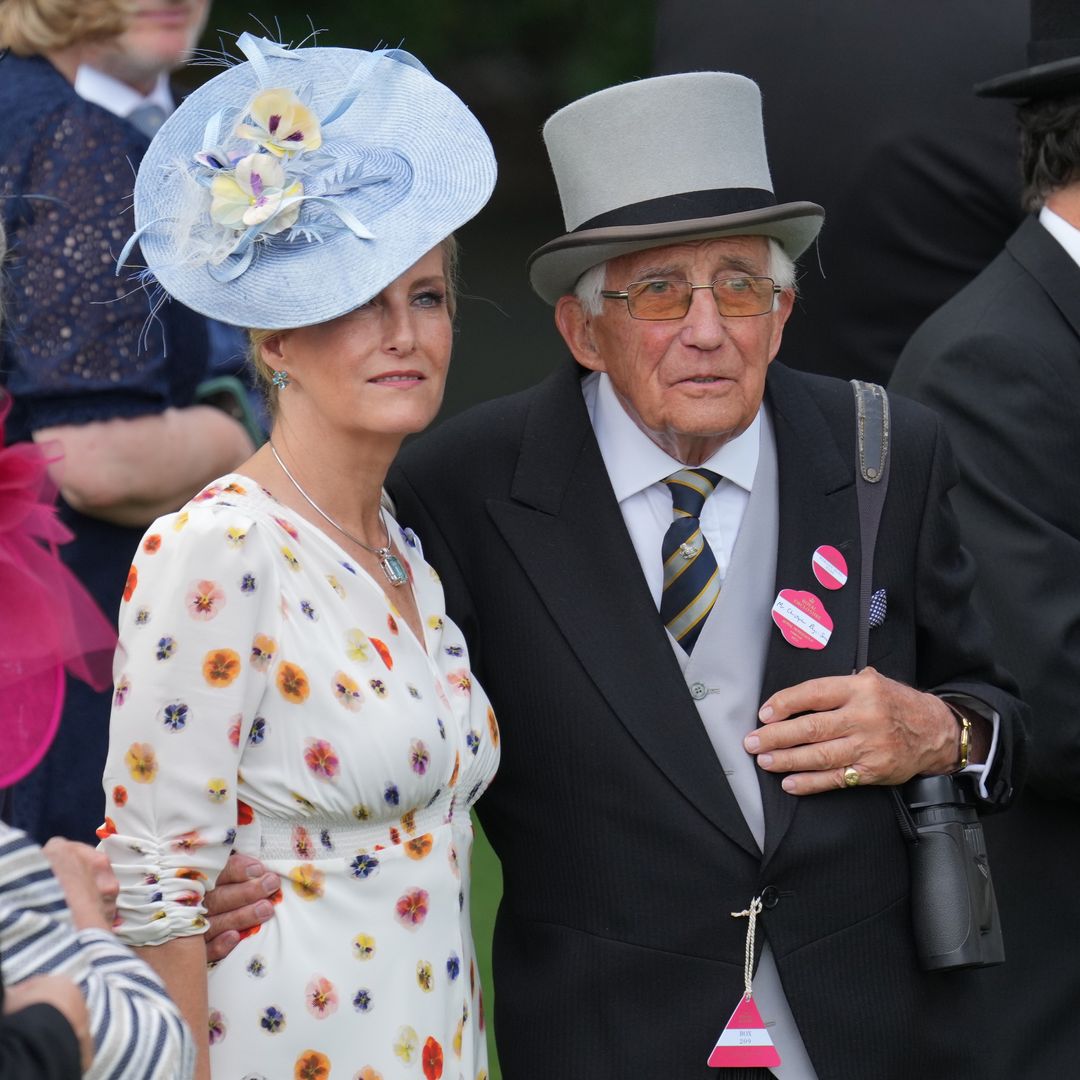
<point>634,462</point>
<point>1068,236</point>
<point>117,97</point>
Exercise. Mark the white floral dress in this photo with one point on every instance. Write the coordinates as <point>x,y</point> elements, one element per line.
<point>269,699</point>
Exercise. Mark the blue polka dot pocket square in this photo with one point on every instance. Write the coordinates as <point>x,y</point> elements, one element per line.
<point>879,605</point>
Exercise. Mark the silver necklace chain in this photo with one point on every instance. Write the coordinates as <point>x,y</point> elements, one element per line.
<point>390,563</point>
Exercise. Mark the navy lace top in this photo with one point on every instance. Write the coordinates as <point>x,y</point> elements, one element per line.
<point>78,345</point>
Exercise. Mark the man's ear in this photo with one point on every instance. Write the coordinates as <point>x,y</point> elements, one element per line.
<point>573,323</point>
<point>785,304</point>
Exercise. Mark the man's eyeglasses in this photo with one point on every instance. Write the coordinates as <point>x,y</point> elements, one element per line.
<point>736,297</point>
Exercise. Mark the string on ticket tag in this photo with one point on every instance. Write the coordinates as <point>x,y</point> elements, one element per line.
<point>745,1042</point>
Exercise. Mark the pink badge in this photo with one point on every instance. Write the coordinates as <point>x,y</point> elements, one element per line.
<point>802,619</point>
<point>830,567</point>
<point>745,1042</point>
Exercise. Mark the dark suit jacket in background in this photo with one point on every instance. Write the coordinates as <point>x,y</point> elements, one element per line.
<point>37,1042</point>
<point>622,846</point>
<point>1001,364</point>
<point>869,112</point>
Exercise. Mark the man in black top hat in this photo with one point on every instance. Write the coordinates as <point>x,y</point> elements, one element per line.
<point>1001,363</point>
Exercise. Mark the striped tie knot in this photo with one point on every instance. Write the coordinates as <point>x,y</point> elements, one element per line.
<point>689,489</point>
<point>691,577</point>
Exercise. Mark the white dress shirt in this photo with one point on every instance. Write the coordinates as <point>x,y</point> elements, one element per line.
<point>637,468</point>
<point>116,96</point>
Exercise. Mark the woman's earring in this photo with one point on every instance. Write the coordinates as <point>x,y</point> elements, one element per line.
<point>280,379</point>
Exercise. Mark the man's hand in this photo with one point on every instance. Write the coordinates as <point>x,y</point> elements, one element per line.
<point>884,729</point>
<point>61,993</point>
<point>90,887</point>
<point>238,900</point>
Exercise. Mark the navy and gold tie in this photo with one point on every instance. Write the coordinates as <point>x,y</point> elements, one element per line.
<point>691,578</point>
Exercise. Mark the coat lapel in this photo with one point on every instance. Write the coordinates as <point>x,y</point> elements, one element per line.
<point>817,506</point>
<point>1051,265</point>
<point>565,527</point>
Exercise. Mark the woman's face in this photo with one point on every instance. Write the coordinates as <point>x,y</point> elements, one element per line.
<point>379,369</point>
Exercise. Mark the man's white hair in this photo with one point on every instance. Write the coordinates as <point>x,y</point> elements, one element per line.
<point>591,283</point>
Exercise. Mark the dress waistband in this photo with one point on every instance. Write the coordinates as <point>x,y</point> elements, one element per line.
<point>312,838</point>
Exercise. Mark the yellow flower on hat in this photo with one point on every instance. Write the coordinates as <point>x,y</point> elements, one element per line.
<point>254,193</point>
<point>284,125</point>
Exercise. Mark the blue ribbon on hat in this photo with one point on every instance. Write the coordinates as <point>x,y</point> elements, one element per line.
<point>243,250</point>
<point>257,49</point>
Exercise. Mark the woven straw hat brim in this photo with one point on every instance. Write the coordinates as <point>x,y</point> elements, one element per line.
<point>399,110</point>
<point>555,267</point>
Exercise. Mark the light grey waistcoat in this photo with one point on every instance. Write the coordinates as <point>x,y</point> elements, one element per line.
<point>724,675</point>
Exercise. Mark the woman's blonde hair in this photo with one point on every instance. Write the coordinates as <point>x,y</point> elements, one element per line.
<point>257,338</point>
<point>33,27</point>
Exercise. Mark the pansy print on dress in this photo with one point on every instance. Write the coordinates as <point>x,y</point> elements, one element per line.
<point>342,751</point>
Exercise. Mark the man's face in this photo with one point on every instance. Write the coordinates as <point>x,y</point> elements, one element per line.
<point>160,37</point>
<point>690,384</point>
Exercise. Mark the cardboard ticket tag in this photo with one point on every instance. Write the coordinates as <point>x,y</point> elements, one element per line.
<point>830,567</point>
<point>745,1042</point>
<point>802,619</point>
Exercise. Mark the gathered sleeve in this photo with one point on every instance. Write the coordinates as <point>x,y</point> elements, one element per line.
<point>137,1030</point>
<point>199,627</point>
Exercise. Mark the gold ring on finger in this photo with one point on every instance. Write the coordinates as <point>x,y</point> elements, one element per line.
<point>851,777</point>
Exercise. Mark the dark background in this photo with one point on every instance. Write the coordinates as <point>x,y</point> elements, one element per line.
<point>513,63</point>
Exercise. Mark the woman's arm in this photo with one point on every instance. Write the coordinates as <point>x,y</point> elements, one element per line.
<point>188,695</point>
<point>130,472</point>
<point>88,357</point>
<point>181,964</point>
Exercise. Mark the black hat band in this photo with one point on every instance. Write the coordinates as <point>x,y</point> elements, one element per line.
<point>684,206</point>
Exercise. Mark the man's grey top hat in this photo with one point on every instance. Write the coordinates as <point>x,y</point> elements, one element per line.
<point>294,187</point>
<point>679,157</point>
<point>1053,55</point>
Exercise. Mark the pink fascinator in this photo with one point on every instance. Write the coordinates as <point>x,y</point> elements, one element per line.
<point>49,622</point>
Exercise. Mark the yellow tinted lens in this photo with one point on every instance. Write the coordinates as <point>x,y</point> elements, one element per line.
<point>743,295</point>
<point>659,299</point>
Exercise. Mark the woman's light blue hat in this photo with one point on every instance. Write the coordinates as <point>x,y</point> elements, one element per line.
<point>294,187</point>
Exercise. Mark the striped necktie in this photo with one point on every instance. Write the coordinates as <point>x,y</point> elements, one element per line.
<point>691,578</point>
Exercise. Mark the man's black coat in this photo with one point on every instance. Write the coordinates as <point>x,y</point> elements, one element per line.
<point>623,849</point>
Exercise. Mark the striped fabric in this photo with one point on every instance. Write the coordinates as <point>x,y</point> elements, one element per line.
<point>691,578</point>
<point>137,1030</point>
